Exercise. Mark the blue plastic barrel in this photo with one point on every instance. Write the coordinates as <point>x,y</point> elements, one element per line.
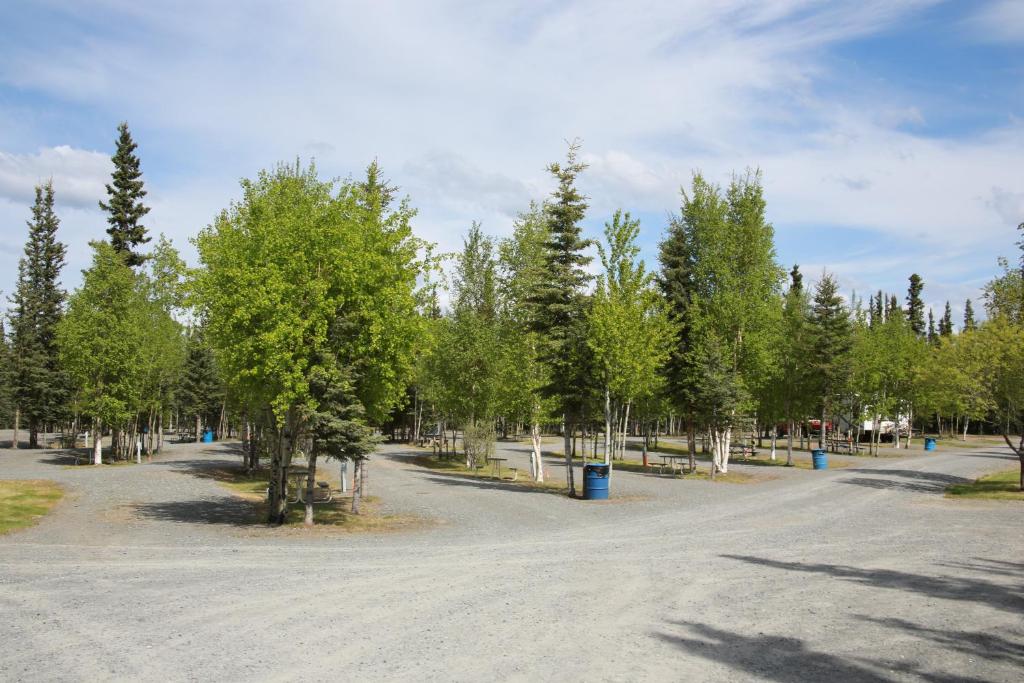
<point>208,436</point>
<point>820,458</point>
<point>929,443</point>
<point>595,481</point>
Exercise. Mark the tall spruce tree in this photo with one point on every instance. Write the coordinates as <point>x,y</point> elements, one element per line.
<point>833,341</point>
<point>6,404</point>
<point>125,208</point>
<point>946,322</point>
<point>39,387</point>
<point>969,323</point>
<point>561,300</point>
<point>915,305</point>
<point>931,335</point>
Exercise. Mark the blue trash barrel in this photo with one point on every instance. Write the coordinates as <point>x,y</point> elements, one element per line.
<point>929,443</point>
<point>595,481</point>
<point>208,436</point>
<point>820,458</point>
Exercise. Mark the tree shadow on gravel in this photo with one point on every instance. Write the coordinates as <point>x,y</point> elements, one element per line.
<point>961,588</point>
<point>491,484</point>
<point>904,480</point>
<point>225,511</point>
<point>783,658</point>
<point>971,643</point>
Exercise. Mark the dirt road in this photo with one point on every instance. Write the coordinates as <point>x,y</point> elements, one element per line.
<point>864,574</point>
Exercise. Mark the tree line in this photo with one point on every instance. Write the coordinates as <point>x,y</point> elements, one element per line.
<point>316,318</point>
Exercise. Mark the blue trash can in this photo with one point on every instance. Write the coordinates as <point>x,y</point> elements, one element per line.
<point>820,458</point>
<point>208,436</point>
<point>595,481</point>
<point>929,443</point>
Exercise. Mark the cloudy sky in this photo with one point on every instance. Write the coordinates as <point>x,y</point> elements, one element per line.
<point>890,132</point>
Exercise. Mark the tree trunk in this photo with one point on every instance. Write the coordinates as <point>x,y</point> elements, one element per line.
<point>625,426</point>
<point>775,434</point>
<point>536,462</point>
<point>97,442</point>
<point>356,488</point>
<point>567,442</point>
<point>17,424</point>
<point>967,421</point>
<point>310,488</point>
<point>198,427</point>
<point>691,442</point>
<point>789,443</point>
<point>608,427</point>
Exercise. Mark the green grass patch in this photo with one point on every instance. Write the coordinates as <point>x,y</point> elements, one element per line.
<point>655,468</point>
<point>998,486</point>
<point>25,502</point>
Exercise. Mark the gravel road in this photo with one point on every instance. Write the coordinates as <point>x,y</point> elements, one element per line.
<point>859,574</point>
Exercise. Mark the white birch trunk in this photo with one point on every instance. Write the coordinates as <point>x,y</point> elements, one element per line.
<point>775,431</point>
<point>536,462</point>
<point>607,426</point>
<point>97,444</point>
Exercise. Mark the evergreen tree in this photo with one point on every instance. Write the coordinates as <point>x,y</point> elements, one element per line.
<point>6,404</point>
<point>833,341</point>
<point>39,387</point>
<point>562,300</point>
<point>915,305</point>
<point>125,208</point>
<point>931,335</point>
<point>946,322</point>
<point>969,324</point>
<point>893,307</point>
<point>878,310</point>
<point>201,391</point>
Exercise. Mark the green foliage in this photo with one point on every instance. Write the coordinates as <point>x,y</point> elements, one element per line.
<point>628,327</point>
<point>337,425</point>
<point>832,343</point>
<point>302,267</point>
<point>969,323</point>
<point>915,305</point>
<point>560,297</point>
<point>101,338</point>
<point>124,206</point>
<point>201,389</point>
<point>38,382</point>
<point>946,322</point>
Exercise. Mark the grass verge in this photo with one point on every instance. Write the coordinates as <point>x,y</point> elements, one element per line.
<point>998,486</point>
<point>654,468</point>
<point>336,514</point>
<point>25,502</point>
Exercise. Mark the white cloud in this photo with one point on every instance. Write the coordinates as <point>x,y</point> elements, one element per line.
<point>78,175</point>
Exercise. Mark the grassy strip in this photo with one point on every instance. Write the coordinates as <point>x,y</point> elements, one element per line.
<point>336,514</point>
<point>998,486</point>
<point>25,502</point>
<point>653,467</point>
<point>458,468</point>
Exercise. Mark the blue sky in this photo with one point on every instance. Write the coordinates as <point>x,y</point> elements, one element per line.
<point>890,134</point>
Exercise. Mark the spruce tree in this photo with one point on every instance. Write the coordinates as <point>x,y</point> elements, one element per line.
<point>561,299</point>
<point>39,387</point>
<point>946,322</point>
<point>833,341</point>
<point>931,335</point>
<point>200,392</point>
<point>125,208</point>
<point>915,305</point>
<point>969,324</point>
<point>6,404</point>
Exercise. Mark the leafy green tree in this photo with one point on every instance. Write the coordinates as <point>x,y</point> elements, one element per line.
<point>522,271</point>
<point>124,206</point>
<point>833,341</point>
<point>561,301</point>
<point>38,382</point>
<point>1004,342</point>
<point>734,309</point>
<point>1004,294</point>
<point>101,341</point>
<point>629,331</point>
<point>915,305</point>
<point>300,269</point>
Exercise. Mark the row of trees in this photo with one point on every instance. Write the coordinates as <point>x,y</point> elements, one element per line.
<point>315,314</point>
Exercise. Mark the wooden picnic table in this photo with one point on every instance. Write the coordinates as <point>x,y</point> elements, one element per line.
<point>670,460</point>
<point>496,466</point>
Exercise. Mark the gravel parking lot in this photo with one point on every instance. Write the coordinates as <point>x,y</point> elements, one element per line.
<point>865,573</point>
